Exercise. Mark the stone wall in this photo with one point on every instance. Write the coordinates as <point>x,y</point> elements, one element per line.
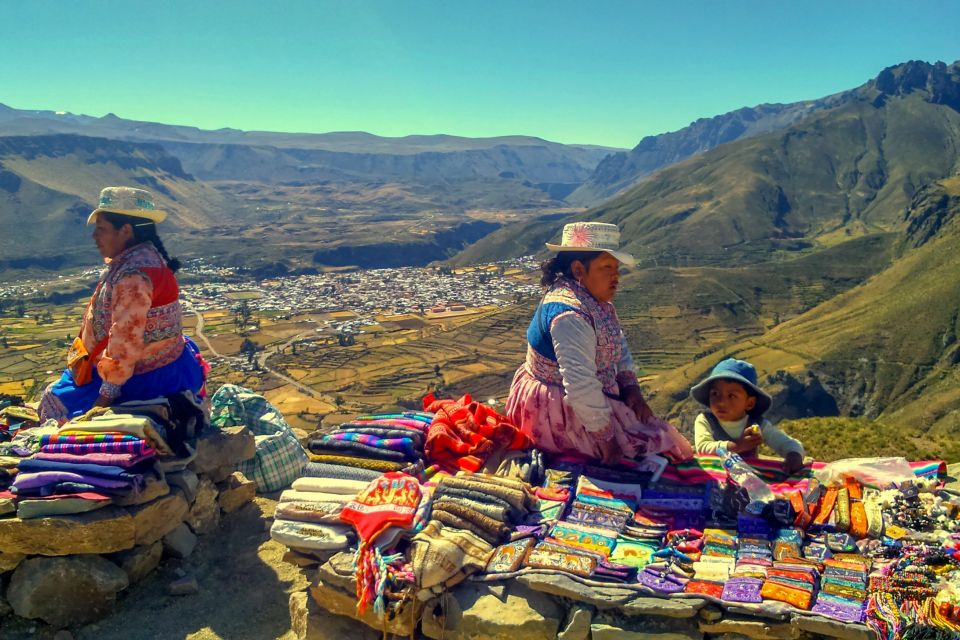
<point>538,606</point>
<point>68,570</point>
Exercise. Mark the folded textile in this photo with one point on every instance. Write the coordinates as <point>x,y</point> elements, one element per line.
<point>703,587</point>
<point>494,528</point>
<point>445,491</point>
<point>61,504</point>
<point>34,464</point>
<point>139,426</point>
<point>593,539</point>
<point>456,522</point>
<point>314,511</point>
<point>590,514</point>
<point>329,485</point>
<point>798,597</point>
<point>517,498</point>
<point>404,444</point>
<point>663,582</point>
<point>50,482</point>
<point>741,589</point>
<point>339,471</point>
<point>123,460</point>
<point>359,449</point>
<point>509,557</point>
<point>439,553</point>
<point>383,431</point>
<point>632,553</point>
<point>627,493</point>
<point>358,461</point>
<point>102,442</point>
<point>497,512</point>
<point>292,495</point>
<point>311,536</point>
<point>560,557</point>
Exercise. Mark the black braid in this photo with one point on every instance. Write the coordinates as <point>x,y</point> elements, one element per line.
<point>143,232</point>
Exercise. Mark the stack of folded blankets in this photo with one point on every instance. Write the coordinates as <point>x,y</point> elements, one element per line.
<point>794,581</point>
<point>307,518</point>
<point>470,515</point>
<point>843,588</point>
<point>369,446</point>
<point>717,561</point>
<point>89,463</point>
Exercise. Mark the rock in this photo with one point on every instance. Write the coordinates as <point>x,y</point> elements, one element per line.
<point>156,488</point>
<point>831,628</point>
<point>770,609</point>
<point>156,519</point>
<point>7,505</point>
<point>180,542</point>
<point>558,584</point>
<point>710,614</point>
<point>303,437</point>
<point>338,571</point>
<point>63,634</point>
<point>578,624</point>
<point>344,603</point>
<point>66,591</point>
<point>756,629</point>
<point>607,632</point>
<point>300,559</point>
<point>221,473</point>
<point>102,531</point>
<point>187,482</point>
<point>474,611</point>
<point>235,492</point>
<point>9,561</point>
<point>186,586</point>
<point>140,561</point>
<point>223,448</point>
<point>204,515</point>
<point>674,608</point>
<point>308,621</point>
<point>5,608</point>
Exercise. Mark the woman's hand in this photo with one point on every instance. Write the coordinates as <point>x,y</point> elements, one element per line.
<point>633,398</point>
<point>610,452</point>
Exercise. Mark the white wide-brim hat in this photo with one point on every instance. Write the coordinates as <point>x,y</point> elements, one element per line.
<point>129,202</point>
<point>593,236</point>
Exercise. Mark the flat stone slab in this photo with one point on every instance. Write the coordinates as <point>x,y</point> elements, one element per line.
<point>235,492</point>
<point>156,519</point>
<point>474,610</point>
<point>607,632</point>
<point>756,629</point>
<point>669,608</point>
<point>9,561</point>
<point>105,530</point>
<point>308,621</point>
<point>557,584</point>
<point>140,561</point>
<point>832,628</point>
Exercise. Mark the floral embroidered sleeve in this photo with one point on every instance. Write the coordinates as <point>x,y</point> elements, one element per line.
<point>132,296</point>
<point>575,343</point>
<point>626,371</point>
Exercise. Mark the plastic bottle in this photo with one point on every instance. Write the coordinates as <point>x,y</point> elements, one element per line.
<point>744,476</point>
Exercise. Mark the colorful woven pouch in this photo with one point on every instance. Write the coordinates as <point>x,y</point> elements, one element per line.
<point>548,556</point>
<point>509,557</point>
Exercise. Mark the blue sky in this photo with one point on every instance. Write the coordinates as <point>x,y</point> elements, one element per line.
<point>577,72</point>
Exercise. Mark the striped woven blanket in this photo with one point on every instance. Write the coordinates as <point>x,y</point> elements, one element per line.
<point>703,468</point>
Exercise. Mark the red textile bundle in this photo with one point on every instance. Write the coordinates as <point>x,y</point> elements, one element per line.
<point>464,433</point>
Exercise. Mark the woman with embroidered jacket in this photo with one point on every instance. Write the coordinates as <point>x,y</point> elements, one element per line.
<point>577,393</point>
<point>131,344</point>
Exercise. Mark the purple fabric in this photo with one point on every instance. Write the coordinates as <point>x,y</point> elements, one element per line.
<point>135,446</point>
<point>45,482</point>
<point>742,590</point>
<point>123,460</point>
<point>662,582</point>
<point>844,612</point>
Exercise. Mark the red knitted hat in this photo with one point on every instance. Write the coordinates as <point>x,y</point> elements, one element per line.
<point>391,499</point>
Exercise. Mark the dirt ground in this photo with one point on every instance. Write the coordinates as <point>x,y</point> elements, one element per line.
<point>244,591</point>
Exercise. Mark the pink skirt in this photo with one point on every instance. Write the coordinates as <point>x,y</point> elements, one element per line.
<point>541,413</point>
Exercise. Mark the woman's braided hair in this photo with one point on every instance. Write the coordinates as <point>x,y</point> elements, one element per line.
<point>559,265</point>
<point>143,231</point>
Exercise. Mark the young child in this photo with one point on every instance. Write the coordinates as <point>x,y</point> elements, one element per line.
<point>735,417</point>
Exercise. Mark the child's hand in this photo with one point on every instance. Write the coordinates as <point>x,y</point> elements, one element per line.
<point>750,440</point>
<point>610,452</point>
<point>792,463</point>
<point>633,398</point>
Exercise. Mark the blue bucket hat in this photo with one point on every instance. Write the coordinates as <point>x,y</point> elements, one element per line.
<point>738,371</point>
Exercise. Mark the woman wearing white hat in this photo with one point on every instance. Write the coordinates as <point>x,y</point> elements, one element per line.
<point>577,393</point>
<point>131,344</point>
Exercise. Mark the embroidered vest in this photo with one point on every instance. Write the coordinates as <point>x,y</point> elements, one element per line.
<point>164,319</point>
<point>566,296</point>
